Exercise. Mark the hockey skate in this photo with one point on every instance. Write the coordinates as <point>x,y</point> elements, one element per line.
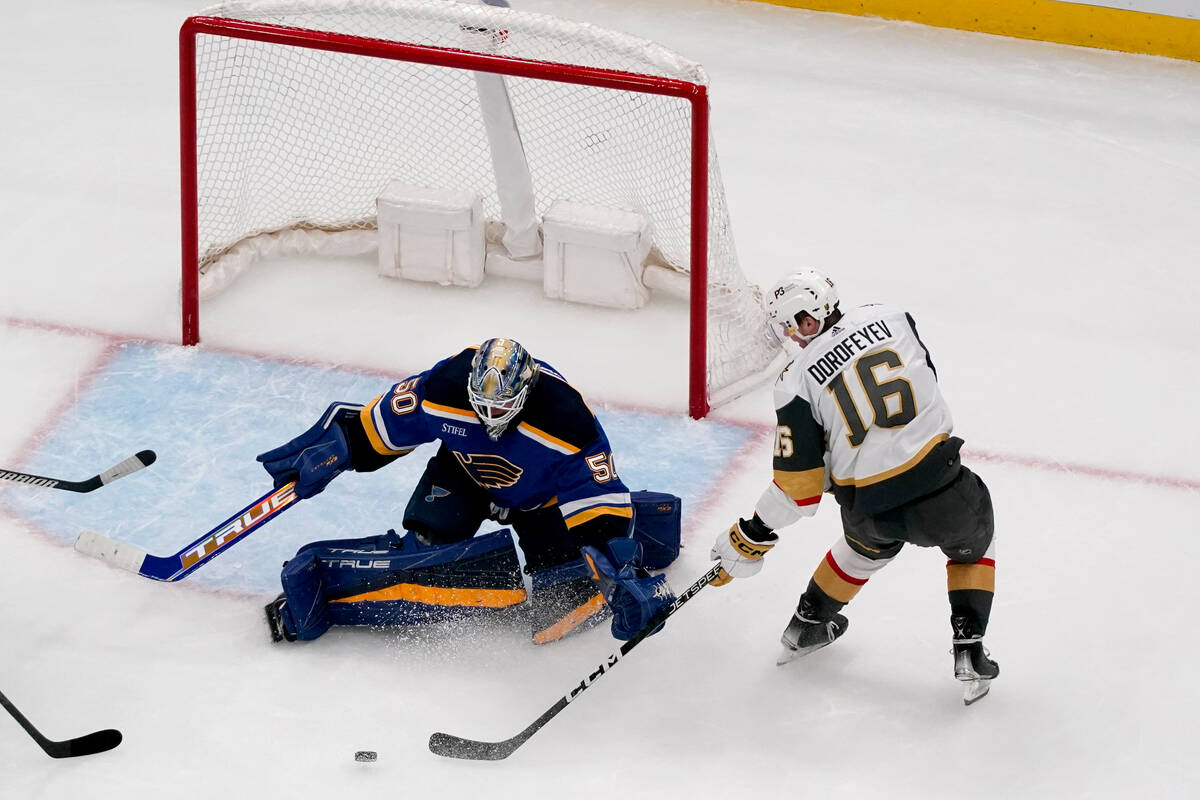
<point>972,663</point>
<point>805,635</point>
<point>275,622</point>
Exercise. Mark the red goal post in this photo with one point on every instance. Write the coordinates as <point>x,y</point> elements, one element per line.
<point>723,362</point>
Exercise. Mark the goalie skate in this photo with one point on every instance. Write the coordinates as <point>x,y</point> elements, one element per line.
<point>274,611</point>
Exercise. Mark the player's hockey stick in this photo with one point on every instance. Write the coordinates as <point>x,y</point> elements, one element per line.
<point>445,744</point>
<point>207,547</point>
<point>130,465</point>
<point>85,745</point>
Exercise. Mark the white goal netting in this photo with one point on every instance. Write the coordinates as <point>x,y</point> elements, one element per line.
<point>294,143</point>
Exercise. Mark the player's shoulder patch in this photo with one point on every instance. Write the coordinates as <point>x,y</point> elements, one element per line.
<point>557,414</point>
<point>783,372</point>
<point>446,382</point>
<point>791,379</point>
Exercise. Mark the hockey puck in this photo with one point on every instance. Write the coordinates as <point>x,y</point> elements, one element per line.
<point>365,755</point>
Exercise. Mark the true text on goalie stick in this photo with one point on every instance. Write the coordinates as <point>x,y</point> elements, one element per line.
<point>201,551</point>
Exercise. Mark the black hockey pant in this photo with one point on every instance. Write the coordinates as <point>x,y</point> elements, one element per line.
<point>957,518</point>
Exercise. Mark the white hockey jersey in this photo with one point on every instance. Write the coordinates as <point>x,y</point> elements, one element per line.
<point>859,413</point>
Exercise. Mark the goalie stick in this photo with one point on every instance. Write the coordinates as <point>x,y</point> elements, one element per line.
<point>445,744</point>
<point>127,467</point>
<point>85,745</point>
<point>204,549</point>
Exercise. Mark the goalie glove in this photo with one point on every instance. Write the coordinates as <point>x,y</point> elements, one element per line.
<point>741,549</point>
<point>632,593</point>
<point>315,457</point>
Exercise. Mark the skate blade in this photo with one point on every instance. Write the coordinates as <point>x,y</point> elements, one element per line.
<point>975,690</point>
<point>787,655</point>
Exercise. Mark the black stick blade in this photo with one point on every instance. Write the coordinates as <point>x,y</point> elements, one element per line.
<point>445,744</point>
<point>92,743</point>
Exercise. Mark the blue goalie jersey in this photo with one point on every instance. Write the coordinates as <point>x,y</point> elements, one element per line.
<point>557,453</point>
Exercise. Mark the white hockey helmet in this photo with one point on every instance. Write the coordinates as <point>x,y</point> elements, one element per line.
<point>804,292</point>
<point>502,373</point>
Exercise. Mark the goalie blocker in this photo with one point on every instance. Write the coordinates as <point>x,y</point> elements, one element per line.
<point>395,580</point>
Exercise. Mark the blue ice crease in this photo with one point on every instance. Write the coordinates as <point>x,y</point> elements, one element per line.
<point>207,415</point>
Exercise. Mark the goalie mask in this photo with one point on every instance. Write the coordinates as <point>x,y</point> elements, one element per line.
<point>805,292</point>
<point>502,374</point>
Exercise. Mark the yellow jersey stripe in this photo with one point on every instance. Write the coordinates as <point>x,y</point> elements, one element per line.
<point>598,511</point>
<point>801,485</point>
<point>891,473</point>
<point>368,422</point>
<point>554,440</point>
<point>458,412</point>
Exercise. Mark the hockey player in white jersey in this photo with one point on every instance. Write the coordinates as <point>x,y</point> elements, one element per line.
<point>859,414</point>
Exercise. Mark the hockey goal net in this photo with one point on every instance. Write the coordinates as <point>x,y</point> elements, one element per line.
<point>295,115</point>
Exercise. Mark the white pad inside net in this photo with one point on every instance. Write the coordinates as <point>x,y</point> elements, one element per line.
<point>294,144</point>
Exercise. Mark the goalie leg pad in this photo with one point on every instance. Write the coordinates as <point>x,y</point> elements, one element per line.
<point>656,525</point>
<point>564,601</point>
<point>393,580</point>
<point>303,613</point>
